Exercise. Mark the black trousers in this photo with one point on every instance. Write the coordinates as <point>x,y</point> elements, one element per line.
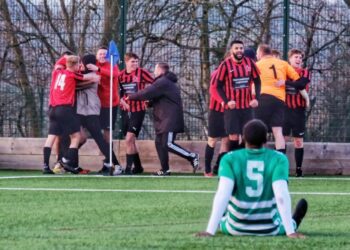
<point>165,144</point>
<point>92,124</point>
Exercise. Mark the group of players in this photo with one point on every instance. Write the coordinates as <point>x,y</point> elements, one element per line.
<point>248,85</point>
<point>252,196</point>
<point>80,100</point>
<point>241,89</point>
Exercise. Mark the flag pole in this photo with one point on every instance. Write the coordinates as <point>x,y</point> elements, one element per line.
<point>110,111</point>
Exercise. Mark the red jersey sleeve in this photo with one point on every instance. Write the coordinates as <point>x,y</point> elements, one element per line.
<point>106,71</point>
<point>146,77</point>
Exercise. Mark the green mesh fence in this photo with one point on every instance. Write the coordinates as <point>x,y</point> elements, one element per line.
<point>192,36</point>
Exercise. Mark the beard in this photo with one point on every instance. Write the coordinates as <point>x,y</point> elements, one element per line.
<point>238,57</point>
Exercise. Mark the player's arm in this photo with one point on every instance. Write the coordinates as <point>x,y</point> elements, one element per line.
<point>257,87</point>
<point>306,97</point>
<point>212,89</point>
<point>281,192</point>
<point>146,77</point>
<point>153,91</point>
<point>221,199</point>
<point>282,196</point>
<point>220,83</point>
<point>256,80</point>
<point>86,79</point>
<point>298,82</point>
<point>104,71</point>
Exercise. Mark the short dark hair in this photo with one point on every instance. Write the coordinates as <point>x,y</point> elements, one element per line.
<point>295,52</point>
<point>275,52</point>
<point>164,66</point>
<point>250,53</point>
<point>255,133</point>
<point>87,59</point>
<point>235,41</point>
<point>103,47</point>
<point>67,53</point>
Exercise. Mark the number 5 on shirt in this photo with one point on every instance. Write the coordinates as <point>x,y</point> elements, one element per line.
<point>255,171</point>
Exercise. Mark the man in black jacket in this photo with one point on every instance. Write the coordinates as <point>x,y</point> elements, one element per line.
<point>168,116</point>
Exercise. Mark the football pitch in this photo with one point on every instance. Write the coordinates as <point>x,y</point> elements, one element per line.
<point>143,212</point>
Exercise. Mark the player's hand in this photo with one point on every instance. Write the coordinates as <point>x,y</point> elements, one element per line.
<point>92,67</point>
<point>203,234</point>
<point>280,83</point>
<point>307,104</point>
<point>124,105</point>
<point>97,78</point>
<point>296,236</point>
<point>254,103</point>
<point>231,104</point>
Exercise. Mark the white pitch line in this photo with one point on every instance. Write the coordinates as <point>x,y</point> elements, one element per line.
<point>150,176</point>
<point>148,191</point>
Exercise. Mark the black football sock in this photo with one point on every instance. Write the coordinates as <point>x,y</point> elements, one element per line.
<point>72,157</point>
<point>209,152</point>
<point>129,160</point>
<point>299,155</point>
<point>217,164</point>
<point>47,153</point>
<point>137,161</point>
<point>234,145</point>
<point>282,150</point>
<point>219,158</point>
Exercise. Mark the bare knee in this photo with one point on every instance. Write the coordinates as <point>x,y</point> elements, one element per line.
<point>75,140</point>
<point>212,141</point>
<point>233,137</point>
<point>130,139</point>
<point>298,142</point>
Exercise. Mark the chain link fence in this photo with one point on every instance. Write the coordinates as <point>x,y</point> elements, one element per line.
<point>192,36</point>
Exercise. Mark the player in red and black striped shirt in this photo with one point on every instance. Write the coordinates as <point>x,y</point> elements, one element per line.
<point>131,80</point>
<point>216,128</point>
<point>233,84</point>
<point>297,102</point>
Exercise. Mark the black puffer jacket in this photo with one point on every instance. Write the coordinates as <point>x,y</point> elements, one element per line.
<point>166,102</point>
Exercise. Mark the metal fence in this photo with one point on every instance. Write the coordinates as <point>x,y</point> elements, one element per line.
<point>192,36</point>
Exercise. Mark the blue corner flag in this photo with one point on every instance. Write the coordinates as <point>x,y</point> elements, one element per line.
<point>113,51</point>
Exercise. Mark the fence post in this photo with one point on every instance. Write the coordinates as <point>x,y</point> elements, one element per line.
<point>286,5</point>
<point>122,49</point>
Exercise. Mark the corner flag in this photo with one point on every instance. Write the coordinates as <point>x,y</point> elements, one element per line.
<point>113,54</point>
<point>113,57</point>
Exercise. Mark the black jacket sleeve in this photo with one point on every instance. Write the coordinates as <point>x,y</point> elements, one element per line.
<point>298,84</point>
<point>153,91</point>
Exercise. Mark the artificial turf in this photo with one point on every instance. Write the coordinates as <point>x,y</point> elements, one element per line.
<point>87,212</point>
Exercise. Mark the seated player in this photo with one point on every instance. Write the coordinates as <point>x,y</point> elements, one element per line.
<point>252,196</point>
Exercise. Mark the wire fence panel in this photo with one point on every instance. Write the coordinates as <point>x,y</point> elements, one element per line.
<point>192,36</point>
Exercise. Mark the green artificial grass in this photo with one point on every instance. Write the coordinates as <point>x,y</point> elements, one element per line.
<point>102,219</point>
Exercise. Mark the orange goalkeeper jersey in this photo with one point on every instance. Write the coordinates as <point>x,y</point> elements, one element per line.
<point>272,70</point>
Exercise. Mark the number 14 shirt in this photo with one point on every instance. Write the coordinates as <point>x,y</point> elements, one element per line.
<point>62,90</point>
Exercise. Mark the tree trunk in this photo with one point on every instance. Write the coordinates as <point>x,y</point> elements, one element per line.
<point>111,21</point>
<point>22,79</point>
<point>204,50</point>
